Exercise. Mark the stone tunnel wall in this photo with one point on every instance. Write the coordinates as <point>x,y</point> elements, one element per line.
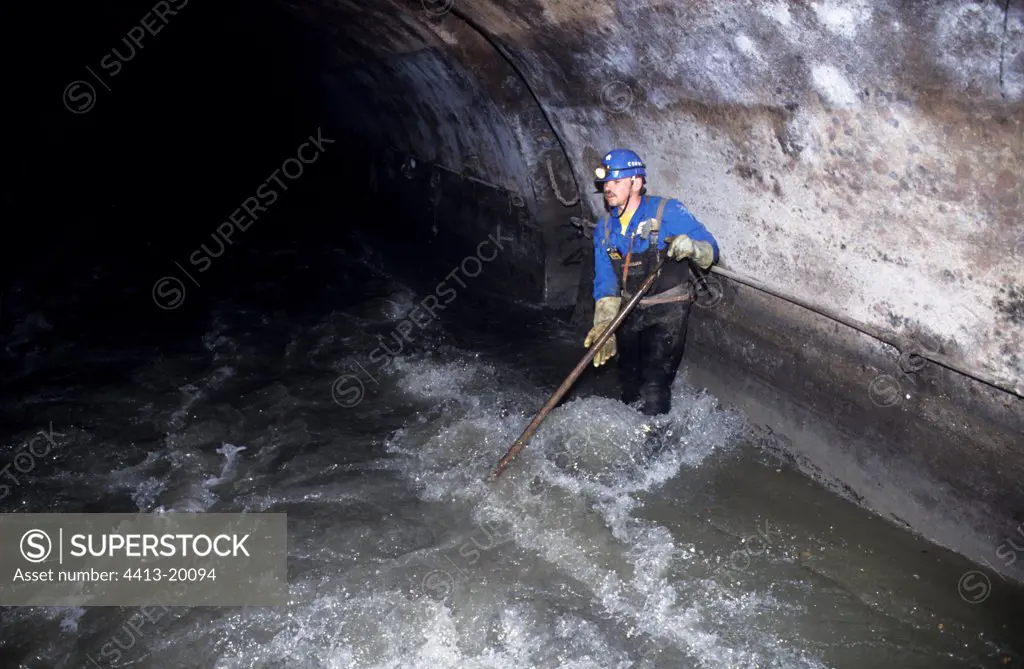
<point>863,156</point>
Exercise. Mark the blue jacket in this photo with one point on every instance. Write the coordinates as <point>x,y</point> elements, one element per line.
<point>676,220</point>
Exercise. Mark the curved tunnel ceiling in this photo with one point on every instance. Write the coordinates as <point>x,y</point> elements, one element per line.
<point>861,155</point>
<point>427,85</point>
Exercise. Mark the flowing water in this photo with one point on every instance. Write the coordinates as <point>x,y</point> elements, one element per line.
<point>715,551</point>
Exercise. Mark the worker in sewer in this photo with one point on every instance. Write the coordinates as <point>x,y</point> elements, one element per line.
<point>637,233</point>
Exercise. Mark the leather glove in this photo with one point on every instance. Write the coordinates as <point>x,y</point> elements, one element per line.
<point>605,311</point>
<point>681,246</point>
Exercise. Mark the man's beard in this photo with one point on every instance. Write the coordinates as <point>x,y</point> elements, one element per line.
<point>622,202</point>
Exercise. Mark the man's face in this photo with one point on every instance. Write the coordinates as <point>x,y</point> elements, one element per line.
<point>617,192</point>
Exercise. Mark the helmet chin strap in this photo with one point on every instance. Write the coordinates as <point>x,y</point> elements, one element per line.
<point>629,198</point>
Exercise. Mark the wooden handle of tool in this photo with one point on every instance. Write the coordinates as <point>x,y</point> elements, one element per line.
<point>527,434</point>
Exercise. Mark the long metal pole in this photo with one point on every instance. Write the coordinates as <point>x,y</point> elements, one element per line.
<point>527,434</point>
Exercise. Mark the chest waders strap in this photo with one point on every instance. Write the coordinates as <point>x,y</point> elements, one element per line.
<point>653,237</point>
<point>675,294</point>
<point>655,226</point>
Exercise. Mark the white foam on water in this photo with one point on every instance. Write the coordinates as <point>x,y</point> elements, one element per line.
<point>390,629</point>
<point>230,453</point>
<point>568,503</point>
<point>69,621</point>
<point>148,492</point>
<point>196,393</point>
<point>449,380</point>
<point>399,305</point>
<point>69,618</point>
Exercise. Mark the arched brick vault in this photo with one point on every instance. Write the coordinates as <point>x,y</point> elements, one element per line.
<point>864,156</point>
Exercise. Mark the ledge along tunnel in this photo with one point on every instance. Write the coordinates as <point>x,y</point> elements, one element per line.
<point>329,258</point>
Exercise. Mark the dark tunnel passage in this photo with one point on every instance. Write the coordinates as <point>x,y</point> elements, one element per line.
<point>329,259</point>
<point>220,116</point>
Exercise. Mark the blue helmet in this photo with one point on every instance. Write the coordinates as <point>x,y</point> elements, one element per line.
<point>620,164</point>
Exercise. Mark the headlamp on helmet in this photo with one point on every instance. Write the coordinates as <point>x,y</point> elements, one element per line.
<point>620,164</point>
